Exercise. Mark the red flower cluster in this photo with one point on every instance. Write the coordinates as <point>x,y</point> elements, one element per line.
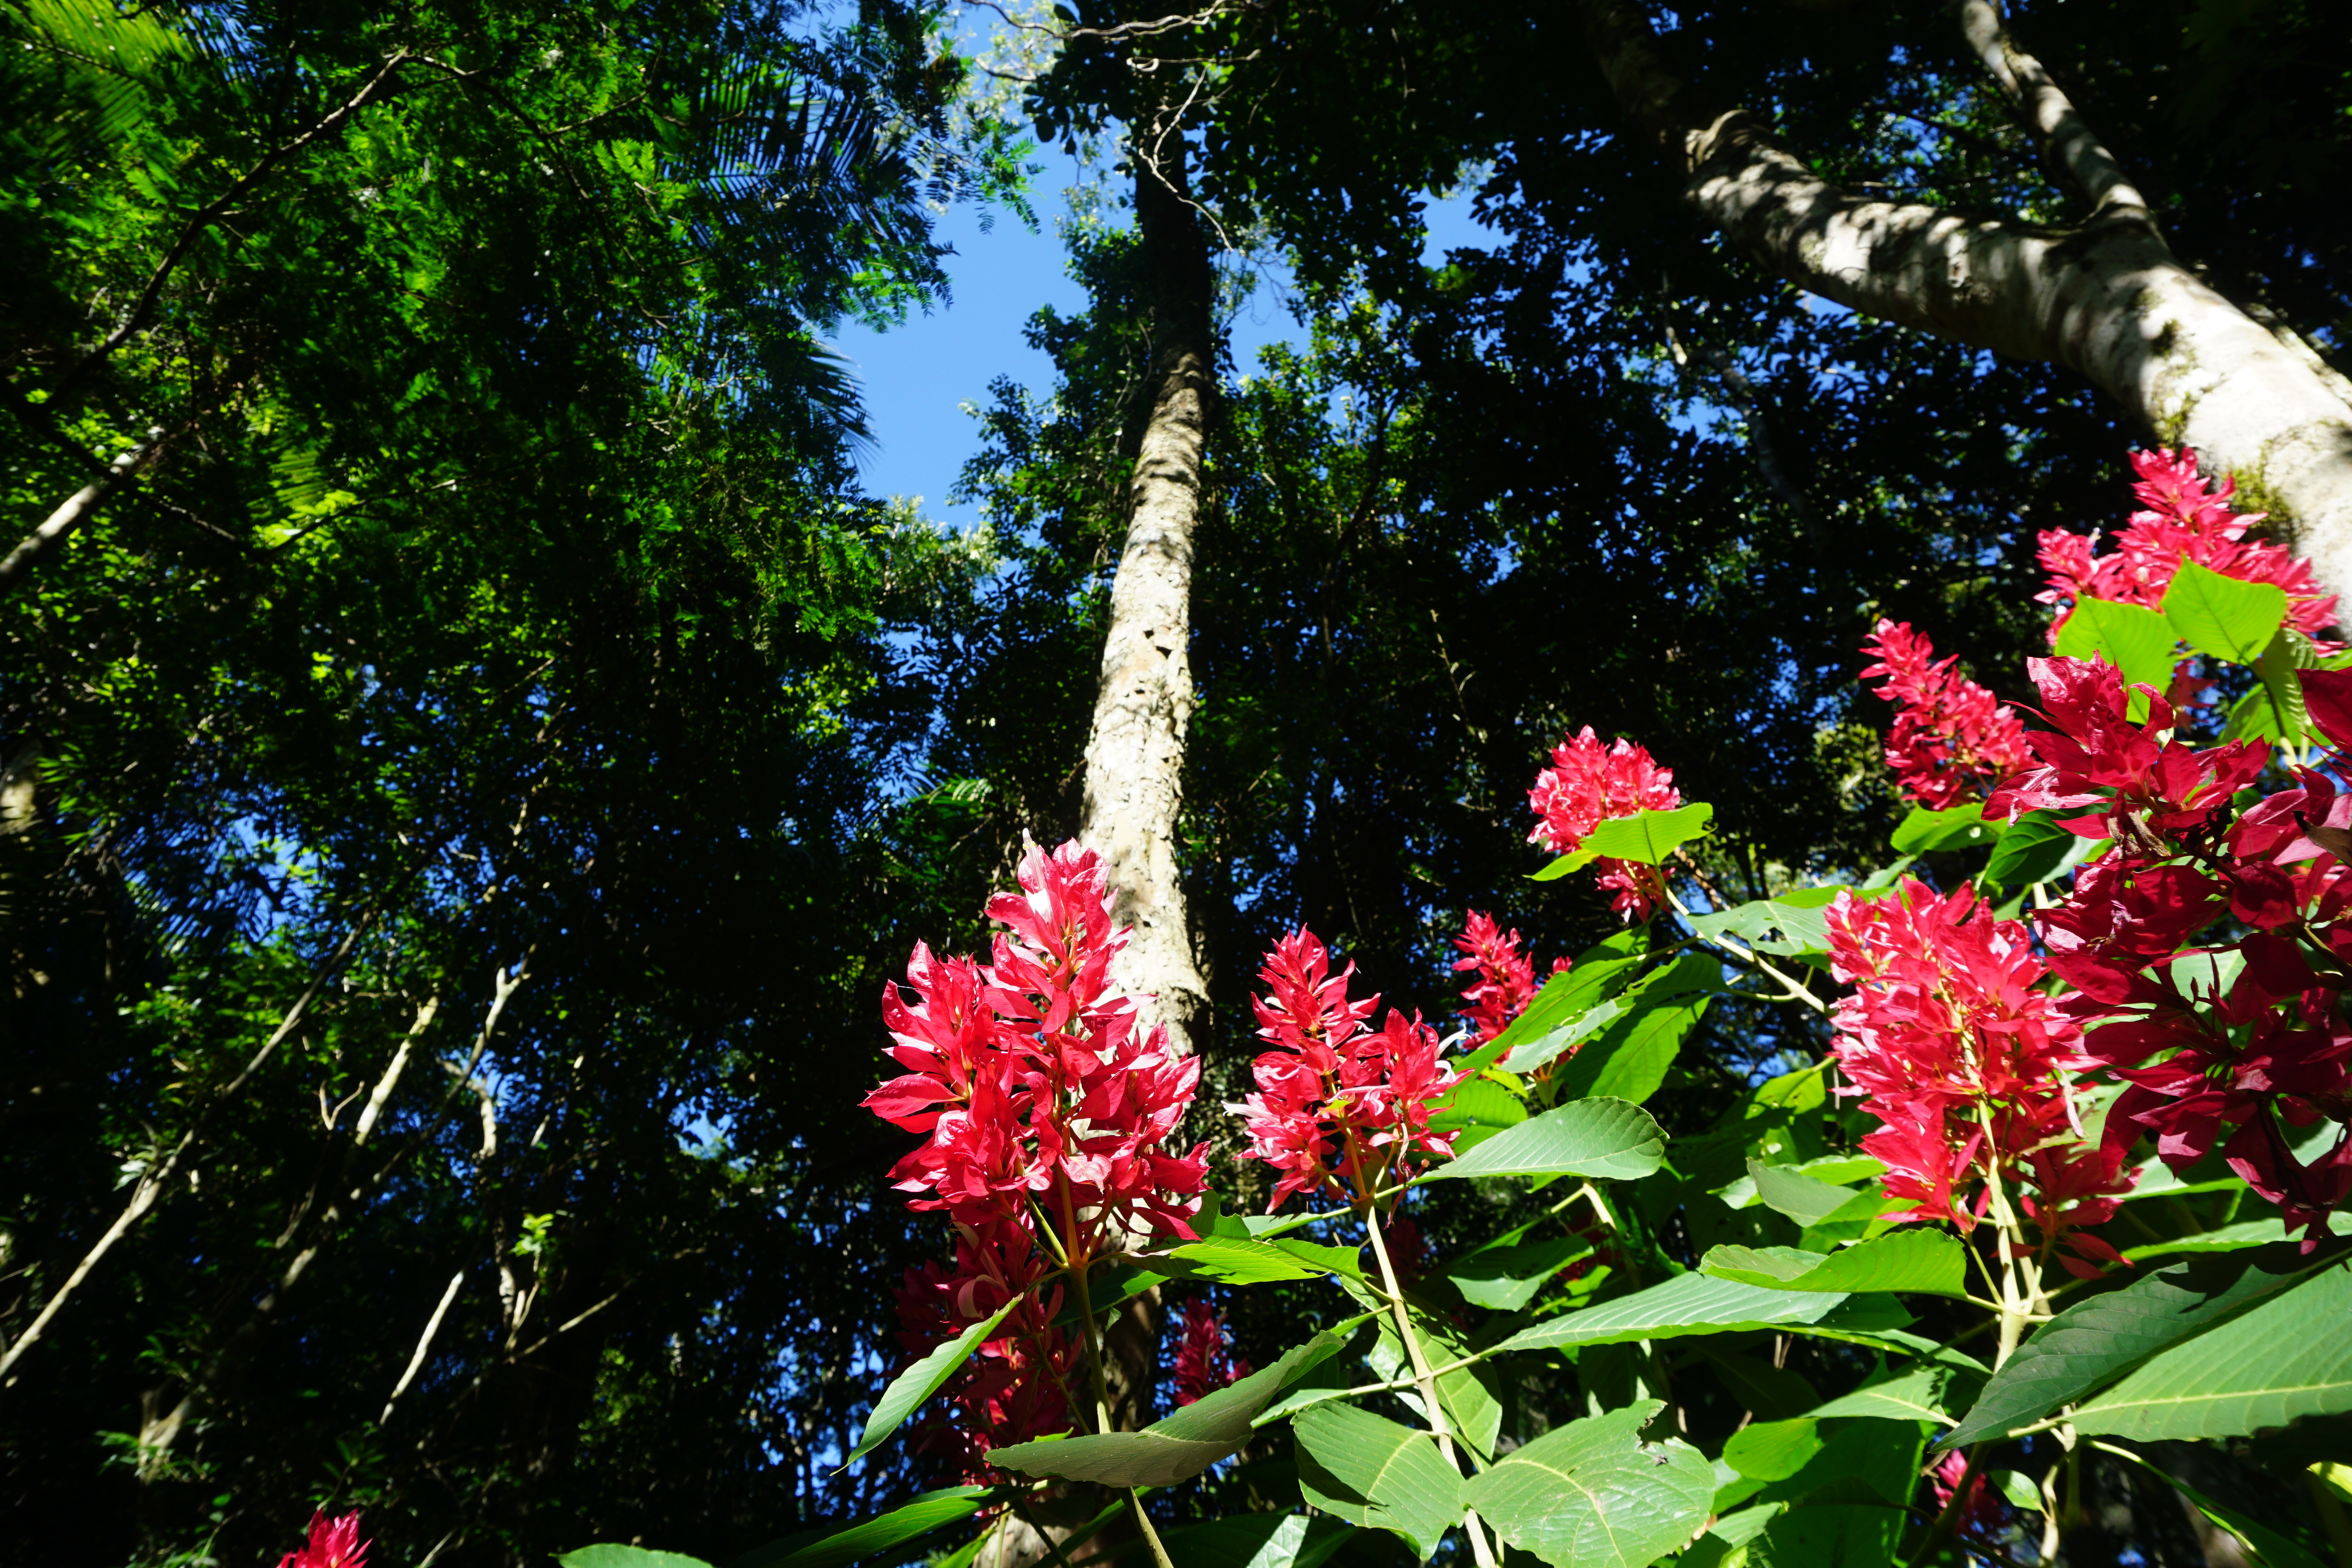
<point>1204,1361</point>
<point>2182,519</point>
<point>1047,1120</point>
<point>1589,784</point>
<point>1952,739</point>
<point>2146,785</point>
<point>1339,1105</point>
<point>2247,1060</point>
<point>1507,975</point>
<point>332,1543</point>
<point>1967,1063</point>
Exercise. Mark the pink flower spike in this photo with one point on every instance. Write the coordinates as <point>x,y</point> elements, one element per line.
<point>1589,784</point>
<point>2181,519</point>
<point>333,1543</point>
<point>1952,739</point>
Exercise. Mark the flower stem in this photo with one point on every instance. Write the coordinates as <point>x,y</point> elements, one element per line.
<point>1424,1381</point>
<point>1102,1406</point>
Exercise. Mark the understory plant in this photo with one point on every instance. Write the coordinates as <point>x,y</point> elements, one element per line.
<point>2050,1164</point>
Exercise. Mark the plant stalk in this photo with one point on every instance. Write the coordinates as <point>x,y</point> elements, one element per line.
<point>1425,1381</point>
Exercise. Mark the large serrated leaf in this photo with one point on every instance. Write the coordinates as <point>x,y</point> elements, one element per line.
<point>1371,1472</point>
<point>2221,616</point>
<point>1921,1261</point>
<point>1592,1138</point>
<point>2286,1358</point>
<point>919,1383</point>
<point>1179,1447</point>
<point>1686,1304</point>
<point>1592,1494</point>
<point>2096,1341</point>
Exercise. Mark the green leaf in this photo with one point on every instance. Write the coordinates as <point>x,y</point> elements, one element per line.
<point>2288,1357</point>
<point>919,1516</point>
<point>1232,1260</point>
<point>1591,1137</point>
<point>1478,1102</point>
<point>1575,860</point>
<point>1649,837</point>
<point>1506,1279</point>
<point>1686,1304</point>
<point>1773,1450</point>
<point>607,1556</point>
<point>1592,1494</point>
<point>1179,1447</point>
<point>2221,616</point>
<point>919,1383</point>
<point>1916,1259</point>
<point>1530,1055</point>
<point>1595,973</point>
<point>1927,1391</point>
<point>2136,640</point>
<point>1371,1472</point>
<point>2275,708</point>
<point>1630,1060</point>
<point>1472,1395</point>
<point>2034,849</point>
<point>2271,1549</point>
<point>2095,1342</point>
<point>1258,1540</point>
<point>2021,1492</point>
<point>1956,828</point>
<point>1805,1199</point>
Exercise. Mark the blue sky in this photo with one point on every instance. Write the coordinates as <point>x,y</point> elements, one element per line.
<point>915,377</point>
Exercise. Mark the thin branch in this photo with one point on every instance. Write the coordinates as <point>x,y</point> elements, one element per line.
<point>152,1181</point>
<point>424,1345</point>
<point>76,510</point>
<point>212,212</point>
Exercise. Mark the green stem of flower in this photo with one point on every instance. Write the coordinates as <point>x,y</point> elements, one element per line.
<point>1102,1400</point>
<point>1423,1379</point>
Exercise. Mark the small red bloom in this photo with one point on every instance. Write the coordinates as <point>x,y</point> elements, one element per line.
<point>2145,783</point>
<point>1507,978</point>
<point>1952,739</point>
<point>333,1543</point>
<point>1338,1105</point>
<point>1589,784</point>
<point>1204,1360</point>
<point>1040,1103</point>
<point>2180,518</point>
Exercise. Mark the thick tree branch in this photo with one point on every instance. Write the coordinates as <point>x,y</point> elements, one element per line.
<point>2051,113</point>
<point>2107,298</point>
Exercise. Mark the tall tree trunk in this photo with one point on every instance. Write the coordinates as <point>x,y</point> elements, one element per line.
<point>1143,706</point>
<point>2107,297</point>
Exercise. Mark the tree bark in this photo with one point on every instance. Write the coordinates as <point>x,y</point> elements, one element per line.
<point>1135,753</point>
<point>2107,297</point>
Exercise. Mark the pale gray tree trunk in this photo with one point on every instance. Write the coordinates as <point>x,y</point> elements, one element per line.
<point>2106,298</point>
<point>1143,705</point>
